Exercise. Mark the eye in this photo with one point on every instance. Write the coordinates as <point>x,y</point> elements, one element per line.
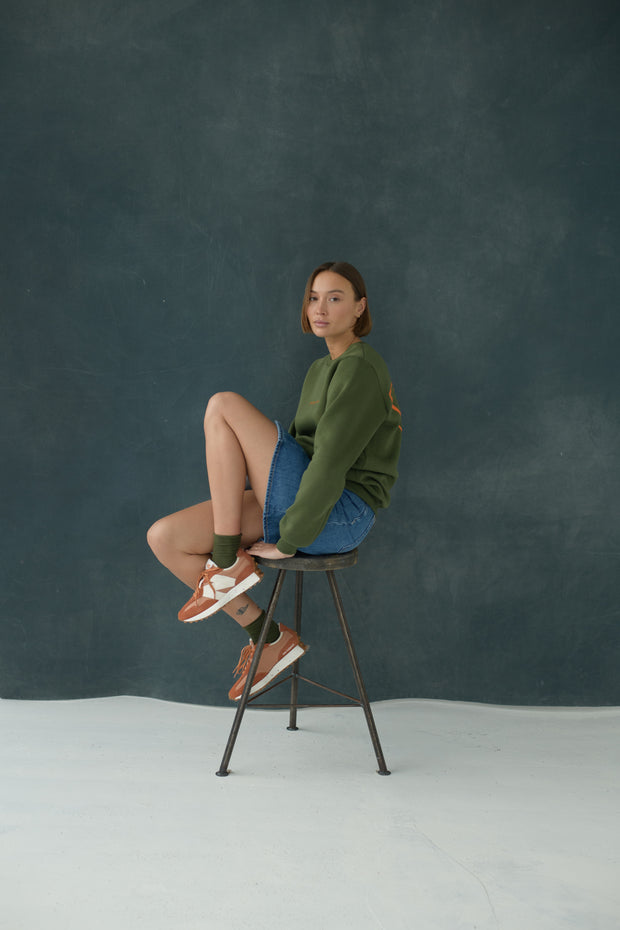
<point>311,299</point>
<point>334,299</point>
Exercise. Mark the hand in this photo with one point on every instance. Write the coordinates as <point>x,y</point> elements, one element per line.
<point>267,550</point>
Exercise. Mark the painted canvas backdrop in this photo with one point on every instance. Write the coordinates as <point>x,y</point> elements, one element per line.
<point>171,172</point>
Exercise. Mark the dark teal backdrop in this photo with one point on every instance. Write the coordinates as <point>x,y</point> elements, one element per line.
<point>171,171</point>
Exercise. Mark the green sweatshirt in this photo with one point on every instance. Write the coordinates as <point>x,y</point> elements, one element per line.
<point>348,422</point>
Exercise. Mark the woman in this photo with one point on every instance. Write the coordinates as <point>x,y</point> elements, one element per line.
<point>314,489</point>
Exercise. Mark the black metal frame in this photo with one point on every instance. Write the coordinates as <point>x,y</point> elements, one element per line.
<point>300,564</point>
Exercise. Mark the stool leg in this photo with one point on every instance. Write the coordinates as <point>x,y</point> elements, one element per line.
<point>243,701</point>
<point>292,723</point>
<point>383,769</point>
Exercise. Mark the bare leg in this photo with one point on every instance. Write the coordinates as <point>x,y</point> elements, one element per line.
<point>183,542</point>
<point>240,442</point>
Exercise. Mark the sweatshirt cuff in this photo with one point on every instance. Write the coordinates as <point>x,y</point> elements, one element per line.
<point>285,548</point>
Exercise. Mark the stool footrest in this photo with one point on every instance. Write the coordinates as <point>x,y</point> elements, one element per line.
<point>309,681</point>
<point>275,706</point>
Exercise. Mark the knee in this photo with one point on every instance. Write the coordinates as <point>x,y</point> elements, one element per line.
<point>157,535</point>
<point>219,404</point>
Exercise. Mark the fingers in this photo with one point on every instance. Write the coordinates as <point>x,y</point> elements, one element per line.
<point>267,551</point>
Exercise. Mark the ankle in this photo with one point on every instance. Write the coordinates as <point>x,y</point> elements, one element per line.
<point>254,628</point>
<point>225,550</point>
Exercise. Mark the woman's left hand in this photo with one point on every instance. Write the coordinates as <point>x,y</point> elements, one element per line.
<point>267,551</point>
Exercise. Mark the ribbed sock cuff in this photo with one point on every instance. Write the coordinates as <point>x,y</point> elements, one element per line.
<point>225,550</point>
<point>253,629</point>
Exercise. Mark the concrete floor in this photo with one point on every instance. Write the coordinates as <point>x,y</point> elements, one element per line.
<point>111,818</point>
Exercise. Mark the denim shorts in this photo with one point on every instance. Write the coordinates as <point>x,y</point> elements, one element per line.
<point>350,521</point>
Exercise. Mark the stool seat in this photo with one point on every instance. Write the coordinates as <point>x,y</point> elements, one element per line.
<point>312,563</point>
<point>300,564</point>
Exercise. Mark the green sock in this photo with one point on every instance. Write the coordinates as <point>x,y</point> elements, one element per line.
<point>225,550</point>
<point>253,629</point>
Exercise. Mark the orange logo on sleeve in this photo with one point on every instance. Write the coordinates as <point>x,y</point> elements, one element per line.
<point>394,407</point>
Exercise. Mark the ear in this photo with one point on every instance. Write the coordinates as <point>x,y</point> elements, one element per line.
<point>362,307</point>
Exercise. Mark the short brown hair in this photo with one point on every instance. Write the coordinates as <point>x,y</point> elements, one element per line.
<point>345,270</point>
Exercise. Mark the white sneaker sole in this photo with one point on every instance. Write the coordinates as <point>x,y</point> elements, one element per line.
<point>289,659</point>
<point>244,585</point>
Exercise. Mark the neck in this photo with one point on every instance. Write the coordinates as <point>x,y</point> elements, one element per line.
<point>336,347</point>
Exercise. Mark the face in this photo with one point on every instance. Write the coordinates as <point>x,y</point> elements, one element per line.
<point>332,309</point>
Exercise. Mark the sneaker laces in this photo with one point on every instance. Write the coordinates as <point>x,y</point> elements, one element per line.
<point>205,581</point>
<point>245,659</point>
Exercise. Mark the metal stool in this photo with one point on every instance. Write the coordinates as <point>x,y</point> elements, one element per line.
<point>300,564</point>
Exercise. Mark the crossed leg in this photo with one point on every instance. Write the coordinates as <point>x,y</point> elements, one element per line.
<point>240,442</point>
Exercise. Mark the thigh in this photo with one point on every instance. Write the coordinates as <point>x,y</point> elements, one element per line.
<point>191,530</point>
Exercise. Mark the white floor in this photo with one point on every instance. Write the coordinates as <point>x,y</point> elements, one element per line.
<point>493,817</point>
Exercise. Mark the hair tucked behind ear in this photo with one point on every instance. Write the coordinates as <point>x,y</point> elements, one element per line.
<point>345,270</point>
